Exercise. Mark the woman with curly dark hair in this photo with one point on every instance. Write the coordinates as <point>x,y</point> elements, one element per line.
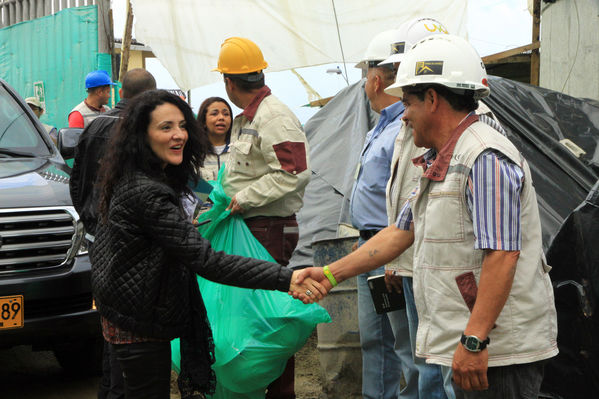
<point>146,252</point>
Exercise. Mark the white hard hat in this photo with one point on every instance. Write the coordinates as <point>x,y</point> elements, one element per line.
<point>34,101</point>
<point>410,33</point>
<point>378,49</point>
<point>446,60</point>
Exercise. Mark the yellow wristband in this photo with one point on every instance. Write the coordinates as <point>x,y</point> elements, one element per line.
<point>327,272</point>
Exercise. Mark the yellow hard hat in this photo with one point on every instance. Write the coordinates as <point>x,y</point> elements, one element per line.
<point>239,55</point>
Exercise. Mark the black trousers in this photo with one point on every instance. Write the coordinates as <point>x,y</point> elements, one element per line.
<point>112,385</point>
<point>516,381</point>
<point>146,369</point>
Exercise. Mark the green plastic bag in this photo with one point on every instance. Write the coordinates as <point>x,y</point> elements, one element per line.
<point>255,331</point>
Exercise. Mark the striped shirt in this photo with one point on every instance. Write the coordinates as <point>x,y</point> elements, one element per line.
<point>493,201</point>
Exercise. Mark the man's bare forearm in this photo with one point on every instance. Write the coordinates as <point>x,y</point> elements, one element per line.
<point>382,248</point>
<point>495,284</point>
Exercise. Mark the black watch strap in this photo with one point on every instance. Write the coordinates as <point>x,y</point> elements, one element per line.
<point>474,344</point>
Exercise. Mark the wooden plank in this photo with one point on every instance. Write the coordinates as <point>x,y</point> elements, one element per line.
<point>535,59</point>
<point>19,12</point>
<point>26,14</point>
<point>39,8</point>
<point>126,44</point>
<point>104,31</point>
<point>12,14</point>
<point>514,59</point>
<point>32,9</point>
<point>508,53</point>
<point>320,102</point>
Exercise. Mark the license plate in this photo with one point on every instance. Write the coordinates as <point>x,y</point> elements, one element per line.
<point>11,312</point>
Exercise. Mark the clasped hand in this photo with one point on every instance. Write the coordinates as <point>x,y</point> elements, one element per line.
<point>310,281</point>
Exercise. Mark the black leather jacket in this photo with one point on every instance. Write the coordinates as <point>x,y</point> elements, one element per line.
<point>147,253</point>
<point>89,151</point>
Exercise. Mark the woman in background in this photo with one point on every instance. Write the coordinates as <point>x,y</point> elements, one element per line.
<point>215,116</point>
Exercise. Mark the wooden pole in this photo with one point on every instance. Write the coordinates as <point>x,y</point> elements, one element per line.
<point>104,32</point>
<point>126,44</point>
<point>535,58</point>
<point>113,55</point>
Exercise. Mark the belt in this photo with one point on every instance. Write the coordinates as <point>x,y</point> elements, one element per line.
<point>367,234</point>
<point>257,218</point>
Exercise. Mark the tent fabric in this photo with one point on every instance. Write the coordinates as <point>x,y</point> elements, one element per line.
<point>336,135</point>
<point>291,34</point>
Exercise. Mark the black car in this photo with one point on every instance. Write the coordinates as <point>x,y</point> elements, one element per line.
<point>45,291</point>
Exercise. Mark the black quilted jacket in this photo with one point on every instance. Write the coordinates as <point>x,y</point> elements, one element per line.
<point>146,254</point>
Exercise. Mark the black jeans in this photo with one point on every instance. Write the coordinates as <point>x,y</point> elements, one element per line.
<point>146,369</point>
<point>517,381</point>
<point>111,384</point>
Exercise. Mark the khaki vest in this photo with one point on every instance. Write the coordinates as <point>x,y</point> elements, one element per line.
<point>526,328</point>
<point>88,114</point>
<point>402,181</point>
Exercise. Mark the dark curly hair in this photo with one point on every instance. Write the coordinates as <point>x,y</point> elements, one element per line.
<point>129,150</point>
<point>202,116</point>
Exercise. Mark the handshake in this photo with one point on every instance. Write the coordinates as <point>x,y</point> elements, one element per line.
<point>311,284</point>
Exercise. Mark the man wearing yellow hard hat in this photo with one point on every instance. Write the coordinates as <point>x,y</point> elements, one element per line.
<point>268,168</point>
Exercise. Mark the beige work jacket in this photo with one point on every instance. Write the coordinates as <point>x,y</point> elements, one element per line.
<point>268,168</point>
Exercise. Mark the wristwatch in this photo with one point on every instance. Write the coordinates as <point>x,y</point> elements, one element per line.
<point>474,344</point>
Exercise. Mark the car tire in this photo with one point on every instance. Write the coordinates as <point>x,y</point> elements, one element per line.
<point>81,357</point>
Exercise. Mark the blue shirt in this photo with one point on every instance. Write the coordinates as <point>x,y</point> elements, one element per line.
<point>368,209</point>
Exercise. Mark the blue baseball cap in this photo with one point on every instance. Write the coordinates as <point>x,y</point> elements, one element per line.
<point>97,78</point>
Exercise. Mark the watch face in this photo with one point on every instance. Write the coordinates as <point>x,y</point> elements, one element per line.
<point>472,343</point>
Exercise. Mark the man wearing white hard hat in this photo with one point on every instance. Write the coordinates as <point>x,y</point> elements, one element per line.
<point>38,109</point>
<point>403,177</point>
<point>384,338</point>
<point>481,284</point>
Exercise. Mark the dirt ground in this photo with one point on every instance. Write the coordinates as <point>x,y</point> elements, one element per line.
<point>308,384</point>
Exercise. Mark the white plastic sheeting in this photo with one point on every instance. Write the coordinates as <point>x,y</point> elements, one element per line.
<point>186,35</point>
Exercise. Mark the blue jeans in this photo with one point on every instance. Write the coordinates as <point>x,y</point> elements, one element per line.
<point>382,363</point>
<point>430,380</point>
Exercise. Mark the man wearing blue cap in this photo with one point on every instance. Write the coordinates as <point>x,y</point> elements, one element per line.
<point>98,85</point>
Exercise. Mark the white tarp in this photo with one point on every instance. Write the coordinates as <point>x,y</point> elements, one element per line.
<point>186,35</point>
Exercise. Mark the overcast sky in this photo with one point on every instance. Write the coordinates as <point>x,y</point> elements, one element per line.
<point>493,26</point>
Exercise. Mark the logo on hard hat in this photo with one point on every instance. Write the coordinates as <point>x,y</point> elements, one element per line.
<point>398,48</point>
<point>429,68</point>
<point>436,28</point>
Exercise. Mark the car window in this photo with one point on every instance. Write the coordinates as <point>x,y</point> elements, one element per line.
<point>17,132</point>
